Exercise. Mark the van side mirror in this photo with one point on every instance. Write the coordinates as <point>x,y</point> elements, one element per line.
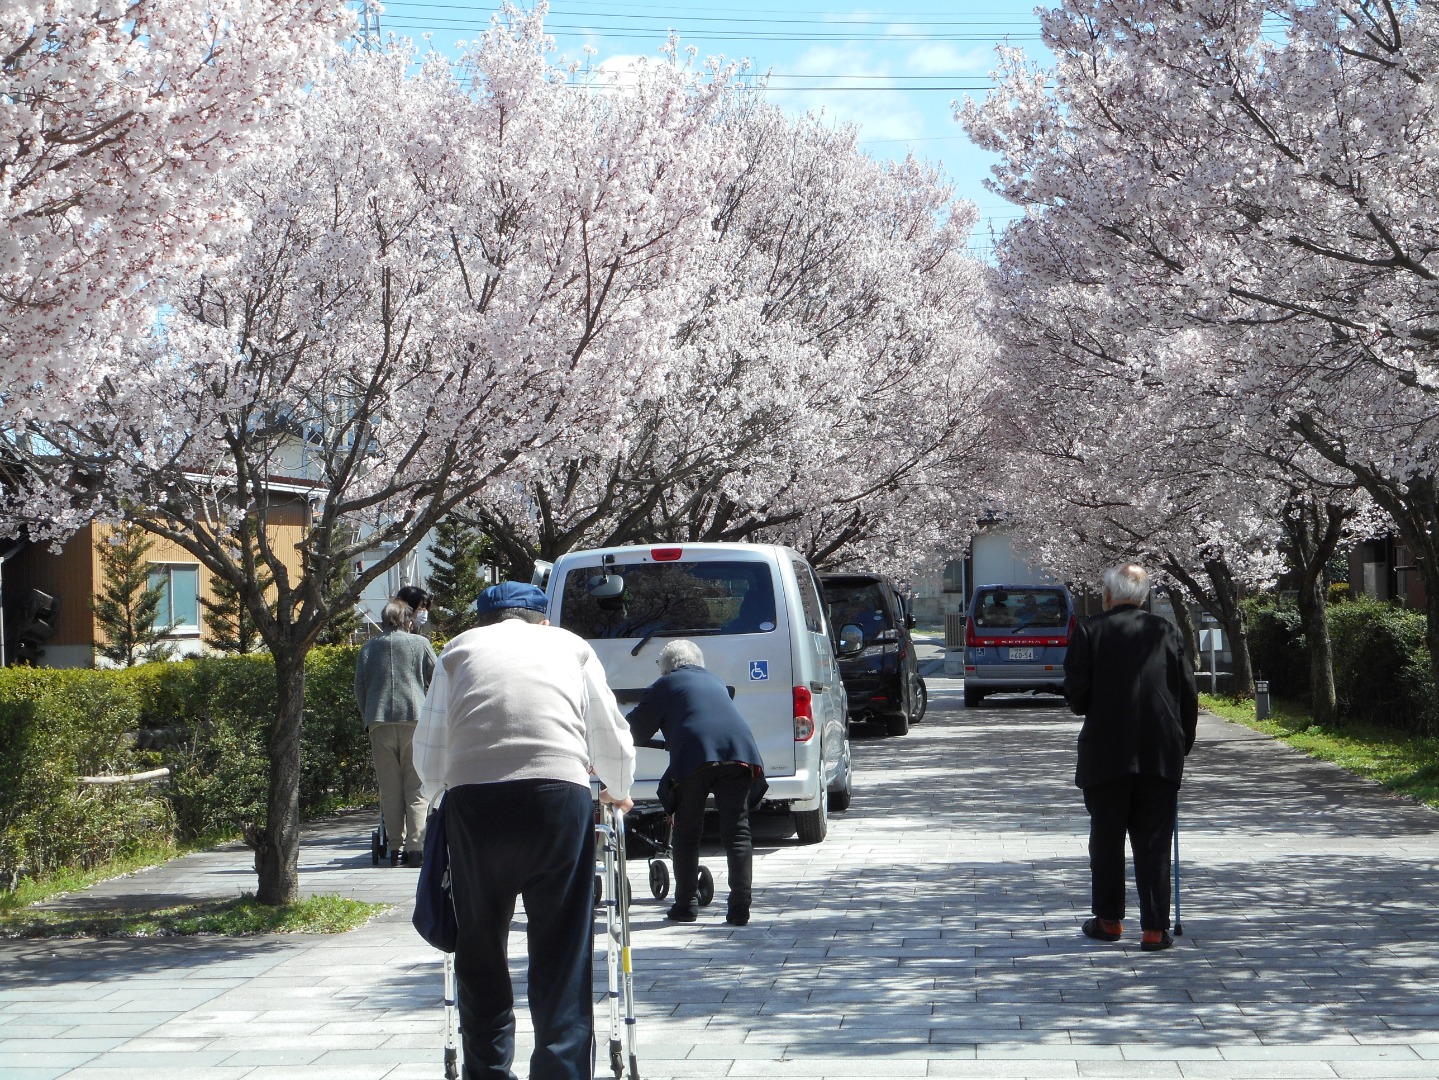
<point>851,640</point>
<point>909,622</point>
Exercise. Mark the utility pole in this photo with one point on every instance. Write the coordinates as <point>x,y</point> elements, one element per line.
<point>367,34</point>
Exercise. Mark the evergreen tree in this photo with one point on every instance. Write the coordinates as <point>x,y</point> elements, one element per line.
<point>345,623</point>
<point>127,607</point>
<point>456,577</point>
<point>230,624</point>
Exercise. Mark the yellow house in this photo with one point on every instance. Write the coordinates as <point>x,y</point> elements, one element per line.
<point>49,597</point>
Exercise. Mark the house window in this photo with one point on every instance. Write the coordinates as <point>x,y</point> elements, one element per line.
<point>954,576</point>
<point>179,587</point>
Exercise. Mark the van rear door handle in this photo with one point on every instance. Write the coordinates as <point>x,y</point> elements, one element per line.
<point>817,687</point>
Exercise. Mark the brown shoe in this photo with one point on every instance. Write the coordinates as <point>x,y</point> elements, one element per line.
<point>1103,929</point>
<point>1156,941</point>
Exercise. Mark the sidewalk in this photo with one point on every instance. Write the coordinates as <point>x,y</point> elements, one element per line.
<point>935,933</point>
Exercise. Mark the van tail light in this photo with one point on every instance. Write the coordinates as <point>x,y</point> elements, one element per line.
<point>971,639</point>
<point>1068,633</point>
<point>803,714</point>
<point>666,554</point>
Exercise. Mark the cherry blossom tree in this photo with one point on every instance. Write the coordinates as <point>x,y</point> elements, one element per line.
<point>116,122</point>
<point>439,281</point>
<point>1264,171</point>
<point>822,389</point>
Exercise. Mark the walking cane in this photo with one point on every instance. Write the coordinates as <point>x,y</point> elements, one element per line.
<point>1178,923</point>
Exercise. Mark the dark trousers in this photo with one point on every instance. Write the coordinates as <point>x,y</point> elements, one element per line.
<point>535,839</point>
<point>730,784</point>
<point>1143,807</point>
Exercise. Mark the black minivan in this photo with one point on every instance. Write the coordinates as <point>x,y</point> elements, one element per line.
<point>882,679</point>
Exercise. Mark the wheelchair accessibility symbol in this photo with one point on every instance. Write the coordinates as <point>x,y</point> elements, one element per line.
<point>758,670</point>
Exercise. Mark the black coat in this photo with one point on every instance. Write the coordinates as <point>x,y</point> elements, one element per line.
<point>701,727</point>
<point>1127,675</point>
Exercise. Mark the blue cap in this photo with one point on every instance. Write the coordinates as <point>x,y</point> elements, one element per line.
<point>512,594</point>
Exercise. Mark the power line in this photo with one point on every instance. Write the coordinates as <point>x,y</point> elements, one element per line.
<point>822,18</point>
<point>648,33</point>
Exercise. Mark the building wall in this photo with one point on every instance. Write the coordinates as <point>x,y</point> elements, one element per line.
<point>74,576</point>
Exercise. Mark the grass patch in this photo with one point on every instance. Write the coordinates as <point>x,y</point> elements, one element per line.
<point>239,917</point>
<point>67,880</point>
<point>1403,763</point>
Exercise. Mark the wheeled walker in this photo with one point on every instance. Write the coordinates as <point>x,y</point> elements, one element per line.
<point>614,898</point>
<point>380,847</point>
<point>649,829</point>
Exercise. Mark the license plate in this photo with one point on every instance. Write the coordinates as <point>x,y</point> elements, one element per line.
<point>1021,654</point>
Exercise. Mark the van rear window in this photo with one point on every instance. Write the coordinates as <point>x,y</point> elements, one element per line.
<point>1020,609</point>
<point>673,599</point>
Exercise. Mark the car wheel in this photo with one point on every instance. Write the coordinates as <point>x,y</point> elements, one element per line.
<point>918,700</point>
<point>839,793</point>
<point>972,697</point>
<point>812,826</point>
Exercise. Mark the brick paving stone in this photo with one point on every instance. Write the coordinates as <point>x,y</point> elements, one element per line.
<point>935,933</point>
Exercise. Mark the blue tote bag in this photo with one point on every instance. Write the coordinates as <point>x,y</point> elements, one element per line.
<point>434,914</point>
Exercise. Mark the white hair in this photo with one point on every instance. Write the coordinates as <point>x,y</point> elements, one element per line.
<point>397,615</point>
<point>1127,583</point>
<point>680,653</point>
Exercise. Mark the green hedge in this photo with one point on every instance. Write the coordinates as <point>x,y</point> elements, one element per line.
<point>207,719</point>
<point>1277,649</point>
<point>1381,668</point>
<point>56,726</point>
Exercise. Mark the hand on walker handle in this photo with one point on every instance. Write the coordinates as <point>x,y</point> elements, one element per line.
<point>623,805</point>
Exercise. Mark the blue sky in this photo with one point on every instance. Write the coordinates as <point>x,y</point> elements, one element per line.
<point>892,72</point>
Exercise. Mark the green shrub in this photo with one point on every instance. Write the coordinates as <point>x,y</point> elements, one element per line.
<point>207,719</point>
<point>1381,668</point>
<point>55,727</point>
<point>1277,649</point>
<point>336,751</point>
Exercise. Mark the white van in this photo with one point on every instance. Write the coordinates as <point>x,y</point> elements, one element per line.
<point>756,612</point>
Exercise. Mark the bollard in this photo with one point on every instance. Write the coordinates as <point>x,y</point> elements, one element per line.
<point>1261,699</point>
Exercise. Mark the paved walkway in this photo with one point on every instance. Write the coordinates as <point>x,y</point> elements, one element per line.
<point>936,933</point>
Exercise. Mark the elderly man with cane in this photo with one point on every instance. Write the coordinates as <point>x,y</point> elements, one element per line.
<point>518,715</point>
<point>1126,673</point>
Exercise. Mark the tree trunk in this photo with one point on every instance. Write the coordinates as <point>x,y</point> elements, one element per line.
<point>1312,532</point>
<point>1412,502</point>
<point>277,844</point>
<point>1230,614</point>
<point>1221,600</point>
<point>1184,619</point>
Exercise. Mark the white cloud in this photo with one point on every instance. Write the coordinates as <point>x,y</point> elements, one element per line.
<point>869,97</point>
<point>942,58</point>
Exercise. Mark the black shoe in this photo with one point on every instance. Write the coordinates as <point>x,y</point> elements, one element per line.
<point>737,917</point>
<point>1156,941</point>
<point>679,914</point>
<point>414,859</point>
<point>1101,929</point>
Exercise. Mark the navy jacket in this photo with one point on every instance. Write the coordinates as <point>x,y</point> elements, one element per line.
<point>1127,675</point>
<point>701,727</point>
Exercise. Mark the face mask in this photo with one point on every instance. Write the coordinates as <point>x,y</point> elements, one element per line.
<point>421,617</point>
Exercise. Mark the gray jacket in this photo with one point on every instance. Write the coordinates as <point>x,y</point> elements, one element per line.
<point>391,678</point>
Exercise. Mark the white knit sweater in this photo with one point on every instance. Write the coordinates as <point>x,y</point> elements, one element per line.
<point>517,701</point>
